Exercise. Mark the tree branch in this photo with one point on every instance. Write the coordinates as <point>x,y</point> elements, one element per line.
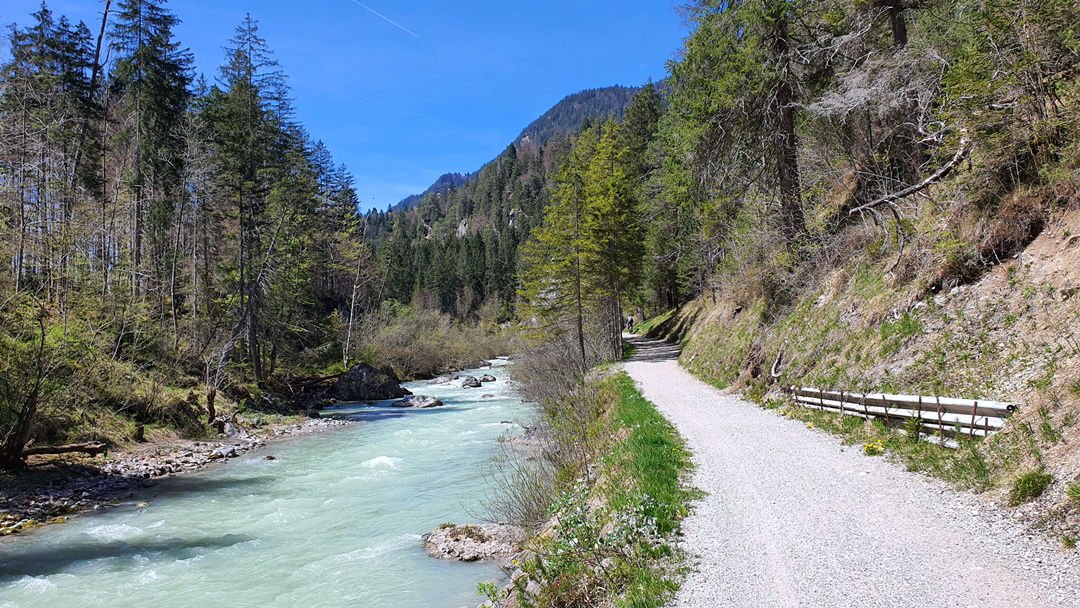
<point>889,199</point>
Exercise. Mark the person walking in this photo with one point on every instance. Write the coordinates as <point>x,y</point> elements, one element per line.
<point>630,324</point>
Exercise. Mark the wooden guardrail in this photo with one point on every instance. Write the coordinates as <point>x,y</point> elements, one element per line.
<point>946,417</point>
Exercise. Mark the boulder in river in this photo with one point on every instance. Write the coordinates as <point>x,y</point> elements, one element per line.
<point>419,401</point>
<point>365,383</point>
<point>474,542</point>
<point>487,378</point>
<point>470,382</point>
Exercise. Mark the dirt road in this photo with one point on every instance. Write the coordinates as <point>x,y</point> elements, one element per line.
<point>794,518</point>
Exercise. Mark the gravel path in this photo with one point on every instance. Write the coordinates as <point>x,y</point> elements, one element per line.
<point>794,518</point>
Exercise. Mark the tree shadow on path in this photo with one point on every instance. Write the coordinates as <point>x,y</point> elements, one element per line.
<point>648,349</point>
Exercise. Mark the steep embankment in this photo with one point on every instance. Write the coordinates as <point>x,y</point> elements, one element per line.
<point>1011,334</point>
<point>793,517</point>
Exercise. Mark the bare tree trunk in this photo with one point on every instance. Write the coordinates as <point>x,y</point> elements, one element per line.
<point>352,313</point>
<point>788,165</point>
<point>787,159</point>
<point>577,287</point>
<point>898,23</point>
<point>173,297</point>
<point>580,319</point>
<point>90,448</point>
<point>254,353</point>
<point>20,256</point>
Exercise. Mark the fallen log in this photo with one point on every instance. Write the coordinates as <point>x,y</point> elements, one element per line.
<point>90,448</point>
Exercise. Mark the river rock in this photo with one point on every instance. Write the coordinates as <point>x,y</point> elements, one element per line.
<point>225,451</point>
<point>234,431</point>
<point>470,382</point>
<point>474,542</point>
<point>419,401</point>
<point>487,378</point>
<point>365,383</point>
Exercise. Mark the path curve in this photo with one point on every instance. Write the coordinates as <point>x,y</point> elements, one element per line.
<point>794,518</point>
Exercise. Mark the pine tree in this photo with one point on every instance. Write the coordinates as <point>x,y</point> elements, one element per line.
<point>151,79</point>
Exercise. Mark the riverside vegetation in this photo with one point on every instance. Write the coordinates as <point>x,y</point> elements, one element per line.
<point>604,498</point>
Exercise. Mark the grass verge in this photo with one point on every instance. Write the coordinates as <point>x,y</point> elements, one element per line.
<point>611,541</point>
<point>647,326</point>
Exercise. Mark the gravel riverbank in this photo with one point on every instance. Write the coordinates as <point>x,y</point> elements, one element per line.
<point>795,518</point>
<point>52,490</point>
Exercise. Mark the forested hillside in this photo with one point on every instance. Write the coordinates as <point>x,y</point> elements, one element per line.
<point>574,111</point>
<point>446,181</point>
<point>166,236</point>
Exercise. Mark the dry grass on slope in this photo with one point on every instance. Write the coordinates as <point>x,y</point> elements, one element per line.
<point>1011,334</point>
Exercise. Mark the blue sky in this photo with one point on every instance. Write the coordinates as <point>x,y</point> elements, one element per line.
<point>402,107</point>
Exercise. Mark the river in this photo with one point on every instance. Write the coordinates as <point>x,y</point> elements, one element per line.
<point>335,520</point>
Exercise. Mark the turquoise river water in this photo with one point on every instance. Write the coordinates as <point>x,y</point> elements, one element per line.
<point>335,520</point>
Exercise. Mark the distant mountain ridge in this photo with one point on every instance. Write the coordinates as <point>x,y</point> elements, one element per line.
<point>446,181</point>
<point>564,118</point>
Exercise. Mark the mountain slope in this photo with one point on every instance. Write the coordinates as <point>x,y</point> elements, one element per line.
<point>570,114</point>
<point>563,119</point>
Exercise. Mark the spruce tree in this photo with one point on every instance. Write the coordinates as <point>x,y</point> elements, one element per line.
<point>150,77</point>
<point>612,230</point>
<point>555,283</point>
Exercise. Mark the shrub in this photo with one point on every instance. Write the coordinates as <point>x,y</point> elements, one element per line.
<point>1073,492</point>
<point>423,343</point>
<point>1029,486</point>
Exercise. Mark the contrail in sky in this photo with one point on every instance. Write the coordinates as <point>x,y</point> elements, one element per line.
<point>385,18</point>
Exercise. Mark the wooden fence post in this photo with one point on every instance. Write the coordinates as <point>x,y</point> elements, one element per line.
<point>974,410</point>
<point>940,422</point>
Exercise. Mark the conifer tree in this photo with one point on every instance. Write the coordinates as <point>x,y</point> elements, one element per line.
<point>150,78</point>
<point>248,119</point>
<point>612,230</point>
<point>555,284</point>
